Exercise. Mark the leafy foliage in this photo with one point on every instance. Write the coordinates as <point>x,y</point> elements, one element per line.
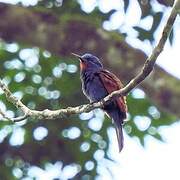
<point>144,34</point>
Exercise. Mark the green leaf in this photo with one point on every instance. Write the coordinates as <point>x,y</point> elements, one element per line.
<point>144,34</point>
<point>171,36</point>
<point>126,4</point>
<point>156,21</point>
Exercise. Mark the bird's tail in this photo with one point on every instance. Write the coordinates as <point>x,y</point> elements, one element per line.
<point>118,121</point>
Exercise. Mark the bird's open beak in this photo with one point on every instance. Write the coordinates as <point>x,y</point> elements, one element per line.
<point>78,56</point>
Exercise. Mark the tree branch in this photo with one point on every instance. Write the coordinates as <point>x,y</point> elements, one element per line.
<point>146,70</point>
<point>40,28</point>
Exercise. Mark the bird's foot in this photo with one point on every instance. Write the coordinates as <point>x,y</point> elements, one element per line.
<point>102,102</point>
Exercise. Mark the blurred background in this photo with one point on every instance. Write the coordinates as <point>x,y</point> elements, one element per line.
<point>36,41</point>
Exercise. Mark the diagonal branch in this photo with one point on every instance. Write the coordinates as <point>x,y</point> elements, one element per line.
<point>146,70</point>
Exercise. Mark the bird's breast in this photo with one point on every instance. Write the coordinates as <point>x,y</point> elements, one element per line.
<point>93,87</point>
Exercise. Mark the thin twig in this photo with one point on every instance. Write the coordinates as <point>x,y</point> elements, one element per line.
<point>4,116</point>
<point>146,70</point>
<point>17,119</point>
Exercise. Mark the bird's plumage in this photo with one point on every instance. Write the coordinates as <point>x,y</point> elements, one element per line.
<point>91,59</point>
<point>116,110</point>
<point>112,83</point>
<point>98,83</point>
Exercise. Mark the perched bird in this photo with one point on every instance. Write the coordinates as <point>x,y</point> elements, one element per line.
<point>97,83</point>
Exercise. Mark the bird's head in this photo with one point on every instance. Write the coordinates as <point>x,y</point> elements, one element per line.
<point>88,61</point>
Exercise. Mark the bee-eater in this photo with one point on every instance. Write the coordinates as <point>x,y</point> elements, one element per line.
<point>97,83</point>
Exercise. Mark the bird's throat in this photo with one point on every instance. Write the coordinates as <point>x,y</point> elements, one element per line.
<point>83,66</point>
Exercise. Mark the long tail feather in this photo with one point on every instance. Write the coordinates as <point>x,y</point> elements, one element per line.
<point>119,134</point>
<point>118,120</point>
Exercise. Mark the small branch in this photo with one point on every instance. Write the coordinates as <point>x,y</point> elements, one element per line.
<point>146,70</point>
<point>11,98</point>
<point>17,119</point>
<point>20,118</point>
<point>4,116</point>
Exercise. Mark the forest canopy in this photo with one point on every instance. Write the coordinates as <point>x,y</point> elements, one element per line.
<point>36,42</point>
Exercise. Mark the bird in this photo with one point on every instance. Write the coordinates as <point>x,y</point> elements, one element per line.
<point>97,83</point>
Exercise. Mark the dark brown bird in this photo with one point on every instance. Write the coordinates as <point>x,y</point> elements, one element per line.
<point>97,83</point>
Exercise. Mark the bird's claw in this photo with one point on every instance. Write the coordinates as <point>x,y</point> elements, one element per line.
<point>102,102</point>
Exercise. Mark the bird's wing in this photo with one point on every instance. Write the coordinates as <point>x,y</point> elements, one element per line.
<point>112,83</point>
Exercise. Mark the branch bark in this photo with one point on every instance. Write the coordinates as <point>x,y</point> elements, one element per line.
<point>146,70</point>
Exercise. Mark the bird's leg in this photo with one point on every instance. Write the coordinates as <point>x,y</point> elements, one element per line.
<point>102,102</point>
